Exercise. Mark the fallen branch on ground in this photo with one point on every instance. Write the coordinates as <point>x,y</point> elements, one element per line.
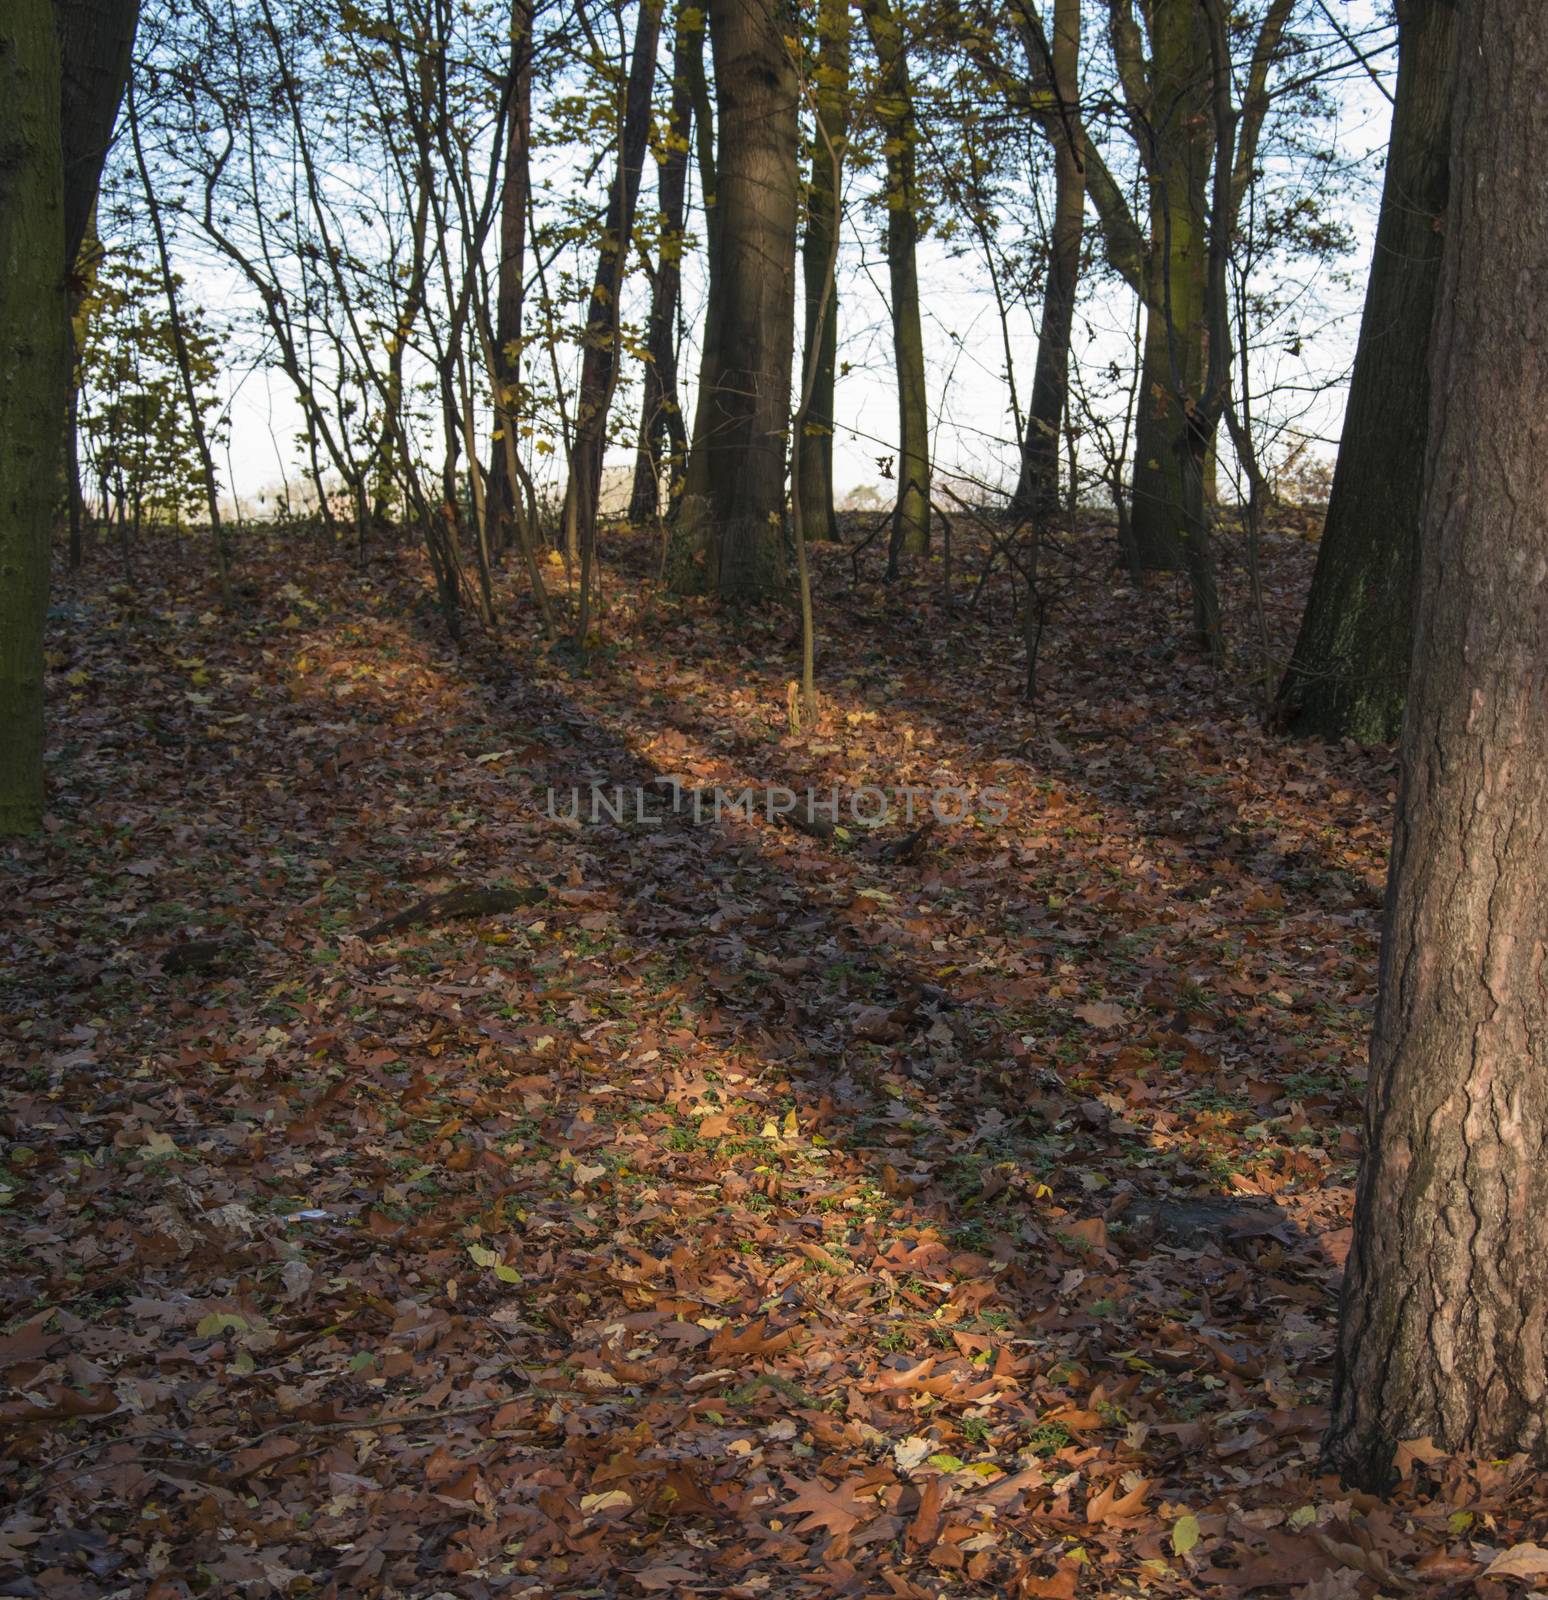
<point>456,903</point>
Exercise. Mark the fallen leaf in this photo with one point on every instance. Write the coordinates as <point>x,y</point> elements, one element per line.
<point>1520,1561</point>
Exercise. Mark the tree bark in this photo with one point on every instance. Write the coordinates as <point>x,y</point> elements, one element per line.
<point>1177,171</point>
<point>96,42</point>
<point>730,534</point>
<point>1166,100</point>
<point>1349,672</point>
<point>599,359</point>
<point>834,145</point>
<point>1037,489</point>
<point>1444,1328</point>
<point>895,110</point>
<point>505,494</point>
<point>819,518</point>
<point>663,434</point>
<point>34,373</point>
<point>1159,490</point>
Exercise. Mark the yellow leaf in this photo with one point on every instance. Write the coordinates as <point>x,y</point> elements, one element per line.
<point>1185,1534</point>
<point>609,1500</point>
<point>218,1322</point>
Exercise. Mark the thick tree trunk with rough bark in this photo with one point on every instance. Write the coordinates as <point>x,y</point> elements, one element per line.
<point>1349,673</point>
<point>1444,1331</point>
<point>822,225</point>
<point>730,537</point>
<point>1037,490</point>
<point>34,372</point>
<point>663,435</point>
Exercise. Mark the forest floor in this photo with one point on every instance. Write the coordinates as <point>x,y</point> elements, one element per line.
<point>746,1212</point>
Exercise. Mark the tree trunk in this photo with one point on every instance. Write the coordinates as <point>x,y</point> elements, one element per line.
<point>1444,1327</point>
<point>895,110</point>
<point>663,435</point>
<point>1037,490</point>
<point>834,144</point>
<point>1178,169</point>
<point>1159,489</point>
<point>96,42</point>
<point>730,534</point>
<point>505,502</point>
<point>1350,668</point>
<point>34,373</point>
<point>819,518</point>
<point>599,360</point>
